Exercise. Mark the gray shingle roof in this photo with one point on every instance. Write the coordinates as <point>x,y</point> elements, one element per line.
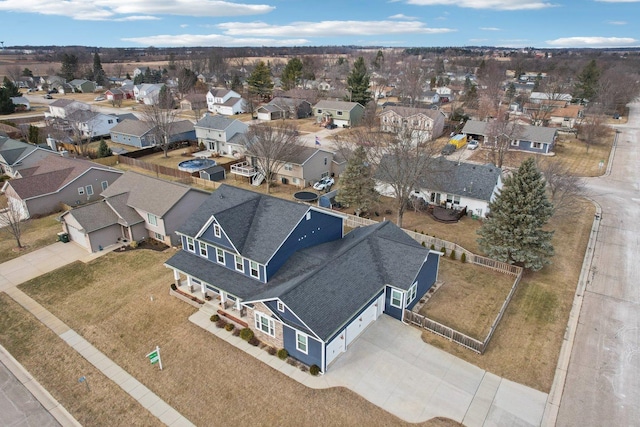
<point>409,112</point>
<point>336,105</point>
<point>255,223</point>
<point>529,133</point>
<point>131,127</point>
<point>94,216</point>
<point>126,214</point>
<point>216,122</point>
<point>475,127</point>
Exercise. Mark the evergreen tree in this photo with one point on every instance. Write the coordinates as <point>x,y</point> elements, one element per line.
<point>513,232</point>
<point>103,149</point>
<point>260,82</point>
<point>70,66</point>
<point>358,83</point>
<point>10,88</point>
<point>33,135</point>
<point>291,74</point>
<point>511,92</point>
<point>98,73</point>
<point>236,83</point>
<point>587,84</point>
<point>357,184</point>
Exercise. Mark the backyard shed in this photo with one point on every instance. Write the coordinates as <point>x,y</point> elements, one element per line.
<point>214,173</point>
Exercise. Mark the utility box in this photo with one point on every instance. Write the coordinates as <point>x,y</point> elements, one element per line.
<point>459,140</point>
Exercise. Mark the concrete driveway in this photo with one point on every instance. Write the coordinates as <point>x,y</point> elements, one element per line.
<point>390,366</point>
<point>38,262</point>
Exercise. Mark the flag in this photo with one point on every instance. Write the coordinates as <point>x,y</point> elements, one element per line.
<point>317,140</point>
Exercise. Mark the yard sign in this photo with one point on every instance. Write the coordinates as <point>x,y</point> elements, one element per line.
<point>154,357</point>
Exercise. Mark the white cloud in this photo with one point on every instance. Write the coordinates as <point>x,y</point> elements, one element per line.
<point>596,42</point>
<point>490,29</point>
<point>486,4</point>
<point>329,28</point>
<point>403,17</point>
<point>179,40</point>
<point>138,18</point>
<point>617,22</point>
<point>97,10</point>
<point>184,25</point>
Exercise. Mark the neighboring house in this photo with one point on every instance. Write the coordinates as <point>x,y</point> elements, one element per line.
<point>140,70</point>
<point>57,180</point>
<point>21,103</point>
<point>284,108</point>
<point>114,94</point>
<point>61,108</point>
<point>194,102</point>
<point>147,93</point>
<point>424,124</point>
<point>566,117</point>
<point>451,184</point>
<point>287,271</point>
<point>430,97</point>
<point>83,86</point>
<point>92,124</point>
<point>534,139</point>
<point>221,134</point>
<point>138,133</point>
<point>133,208</point>
<point>538,97</point>
<point>224,101</point>
<point>306,167</point>
<point>17,155</point>
<point>341,113</point>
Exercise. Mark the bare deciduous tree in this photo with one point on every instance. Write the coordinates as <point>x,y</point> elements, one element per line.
<point>500,133</point>
<point>11,222</point>
<point>592,128</point>
<point>271,147</point>
<point>160,116</point>
<point>564,187</point>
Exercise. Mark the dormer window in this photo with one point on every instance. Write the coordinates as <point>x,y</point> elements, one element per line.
<point>216,230</point>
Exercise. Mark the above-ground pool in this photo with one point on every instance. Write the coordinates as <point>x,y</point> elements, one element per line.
<point>196,165</point>
<point>306,196</point>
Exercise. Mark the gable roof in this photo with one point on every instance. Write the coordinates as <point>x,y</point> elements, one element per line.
<point>538,134</point>
<point>474,127</point>
<point>93,216</point>
<point>137,128</point>
<point>409,112</point>
<point>147,193</point>
<point>304,154</point>
<point>255,223</point>
<point>181,126</point>
<point>287,102</point>
<point>217,122</point>
<point>12,150</point>
<point>462,179</point>
<point>337,105</point>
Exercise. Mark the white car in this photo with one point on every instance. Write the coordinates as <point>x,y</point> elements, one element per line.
<point>472,145</point>
<point>324,184</point>
<point>99,98</point>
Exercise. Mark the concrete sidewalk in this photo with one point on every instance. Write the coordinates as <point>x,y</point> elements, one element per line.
<point>390,366</point>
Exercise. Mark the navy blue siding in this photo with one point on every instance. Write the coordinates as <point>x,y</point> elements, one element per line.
<point>426,277</point>
<point>321,228</point>
<point>526,146</point>
<point>388,308</point>
<point>286,315</point>
<point>314,350</point>
<point>221,241</point>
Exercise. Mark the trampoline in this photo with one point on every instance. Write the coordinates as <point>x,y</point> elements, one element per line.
<point>196,165</point>
<point>306,196</point>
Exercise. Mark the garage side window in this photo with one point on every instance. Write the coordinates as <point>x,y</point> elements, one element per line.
<point>396,298</point>
<point>302,342</point>
<point>411,295</point>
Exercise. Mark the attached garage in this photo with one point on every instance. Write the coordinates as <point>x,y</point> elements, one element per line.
<point>78,236</point>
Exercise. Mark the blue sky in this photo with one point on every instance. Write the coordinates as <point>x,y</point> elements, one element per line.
<point>392,23</point>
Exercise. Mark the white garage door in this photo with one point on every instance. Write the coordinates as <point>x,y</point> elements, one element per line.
<point>358,325</point>
<point>79,237</point>
<point>335,347</point>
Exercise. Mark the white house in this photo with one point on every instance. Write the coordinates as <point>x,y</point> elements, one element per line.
<point>61,108</point>
<point>147,93</point>
<point>92,124</point>
<point>221,134</point>
<point>225,102</point>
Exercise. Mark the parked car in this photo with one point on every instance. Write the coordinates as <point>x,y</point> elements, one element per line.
<point>324,184</point>
<point>48,96</point>
<point>472,145</point>
<point>99,98</point>
<point>331,126</point>
<point>448,149</point>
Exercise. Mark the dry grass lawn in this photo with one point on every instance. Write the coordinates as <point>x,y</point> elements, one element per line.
<point>469,299</point>
<point>204,378</point>
<point>36,234</point>
<point>57,367</point>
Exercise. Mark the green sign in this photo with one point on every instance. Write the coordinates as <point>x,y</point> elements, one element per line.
<point>154,357</point>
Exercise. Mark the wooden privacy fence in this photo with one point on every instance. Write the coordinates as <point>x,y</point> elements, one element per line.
<point>158,169</point>
<point>444,331</point>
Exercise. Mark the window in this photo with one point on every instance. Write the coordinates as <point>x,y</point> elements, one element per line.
<point>110,121</point>
<point>239,263</point>
<point>536,145</point>
<point>339,113</point>
<point>319,111</point>
<point>203,249</point>
<point>288,167</point>
<point>152,219</point>
<point>302,342</point>
<point>308,215</point>
<point>265,324</point>
<point>253,269</point>
<point>281,306</point>
<point>216,230</point>
<point>104,185</point>
<point>295,181</point>
<point>411,295</point>
<point>80,191</point>
<point>515,143</point>
<point>220,255</point>
<point>158,236</point>
<point>325,161</point>
<point>396,298</point>
<point>190,246</point>
<point>89,189</point>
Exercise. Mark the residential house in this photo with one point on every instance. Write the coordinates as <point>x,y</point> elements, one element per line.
<point>221,134</point>
<point>424,124</point>
<point>194,102</point>
<point>133,208</point>
<point>138,133</point>
<point>533,139</point>
<point>61,108</point>
<point>57,180</point>
<point>341,113</point>
<point>21,103</point>
<point>284,108</point>
<point>224,101</point>
<point>451,184</point>
<point>83,86</point>
<point>302,169</point>
<point>430,97</point>
<point>17,155</point>
<point>566,117</point>
<point>91,124</point>
<point>287,271</point>
<point>539,97</point>
<point>140,70</point>
<point>114,94</point>
<point>147,93</point>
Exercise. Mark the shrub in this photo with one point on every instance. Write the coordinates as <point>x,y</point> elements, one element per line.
<point>291,361</point>
<point>214,318</point>
<point>432,247</point>
<point>201,146</point>
<point>246,334</point>
<point>314,370</point>
<point>443,250</point>
<point>272,351</point>
<point>424,244</point>
<point>133,244</point>
<point>463,257</point>
<point>236,332</point>
<point>229,327</point>
<point>221,323</point>
<point>174,287</point>
<point>254,341</point>
<point>452,255</point>
<point>283,353</point>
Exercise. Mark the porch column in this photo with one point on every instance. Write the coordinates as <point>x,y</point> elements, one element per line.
<point>237,304</point>
<point>203,289</point>
<point>223,298</point>
<point>189,283</point>
<point>176,277</point>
